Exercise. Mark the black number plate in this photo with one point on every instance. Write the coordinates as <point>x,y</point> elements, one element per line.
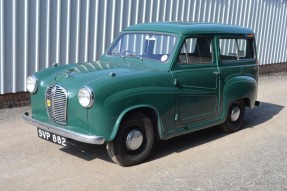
<point>52,137</point>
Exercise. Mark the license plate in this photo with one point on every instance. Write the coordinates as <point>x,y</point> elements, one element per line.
<point>54,138</point>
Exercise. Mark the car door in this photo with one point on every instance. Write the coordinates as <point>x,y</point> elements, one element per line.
<point>197,81</point>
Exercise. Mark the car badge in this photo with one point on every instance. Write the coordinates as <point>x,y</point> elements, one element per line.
<point>48,102</point>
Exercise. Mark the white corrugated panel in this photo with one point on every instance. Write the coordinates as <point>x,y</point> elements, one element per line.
<point>34,34</point>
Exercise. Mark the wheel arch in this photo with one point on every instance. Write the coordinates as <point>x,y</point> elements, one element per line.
<point>239,88</point>
<point>150,111</point>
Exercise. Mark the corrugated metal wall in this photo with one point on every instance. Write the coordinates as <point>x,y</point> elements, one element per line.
<point>36,33</point>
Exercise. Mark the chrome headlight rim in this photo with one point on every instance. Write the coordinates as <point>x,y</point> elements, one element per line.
<point>35,84</point>
<point>90,96</point>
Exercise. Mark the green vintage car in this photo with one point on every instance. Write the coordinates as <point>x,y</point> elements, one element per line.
<point>156,81</point>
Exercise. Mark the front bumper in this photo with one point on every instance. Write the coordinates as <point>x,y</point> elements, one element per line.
<point>91,139</point>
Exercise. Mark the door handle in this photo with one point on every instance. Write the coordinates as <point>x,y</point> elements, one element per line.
<point>216,73</point>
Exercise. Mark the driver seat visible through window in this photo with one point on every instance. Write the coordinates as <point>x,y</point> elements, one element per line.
<point>196,50</point>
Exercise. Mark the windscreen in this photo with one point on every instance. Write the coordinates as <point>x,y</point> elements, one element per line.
<point>153,46</point>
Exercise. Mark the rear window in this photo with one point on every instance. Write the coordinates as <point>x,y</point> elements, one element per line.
<point>236,49</point>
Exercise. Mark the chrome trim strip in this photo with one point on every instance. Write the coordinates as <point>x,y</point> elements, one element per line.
<point>91,139</point>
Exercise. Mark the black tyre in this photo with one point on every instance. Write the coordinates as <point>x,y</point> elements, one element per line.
<point>234,118</point>
<point>134,140</point>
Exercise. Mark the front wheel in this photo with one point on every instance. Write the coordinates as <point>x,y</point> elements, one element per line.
<point>234,118</point>
<point>134,140</point>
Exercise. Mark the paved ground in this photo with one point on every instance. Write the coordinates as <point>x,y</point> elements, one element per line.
<point>254,158</point>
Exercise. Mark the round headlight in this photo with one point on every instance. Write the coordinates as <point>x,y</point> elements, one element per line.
<point>31,84</point>
<point>86,97</point>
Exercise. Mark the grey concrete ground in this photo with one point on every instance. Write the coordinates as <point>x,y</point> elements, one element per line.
<point>254,158</point>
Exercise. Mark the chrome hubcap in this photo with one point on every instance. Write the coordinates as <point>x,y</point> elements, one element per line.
<point>134,140</point>
<point>235,113</point>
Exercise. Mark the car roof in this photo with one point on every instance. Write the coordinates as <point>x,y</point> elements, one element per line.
<point>190,28</point>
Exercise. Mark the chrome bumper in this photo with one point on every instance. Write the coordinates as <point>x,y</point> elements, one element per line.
<point>91,139</point>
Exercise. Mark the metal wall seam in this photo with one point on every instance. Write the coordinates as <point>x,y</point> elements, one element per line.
<point>14,44</point>
<point>58,29</point>
<point>277,50</point>
<point>26,37</point>
<point>151,10</point>
<point>265,34</point>
<point>2,44</point>
<point>188,10</point>
<point>260,31</point>
<point>47,52</point>
<point>170,12</point>
<point>236,13</point>
<point>67,53</point>
<point>129,12</point>
<point>144,10</point>
<point>77,36</point>
<point>257,28</point>
<point>223,14</point>
<point>86,42</point>
<point>96,30</point>
<point>104,27</point>
<point>232,15</point>
<point>193,11</point>
<point>218,12</point>
<point>158,11</point>
<point>282,30</point>
<point>163,15</point>
<point>271,40</point>
<point>251,14</point>
<point>2,53</point>
<point>137,12</point>
<point>241,13</point>
<point>284,42</point>
<point>113,19</point>
<point>183,10</point>
<point>275,32</point>
<point>37,31</point>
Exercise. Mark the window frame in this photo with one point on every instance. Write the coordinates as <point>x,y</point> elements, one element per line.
<point>203,64</point>
<point>236,37</point>
<point>172,52</point>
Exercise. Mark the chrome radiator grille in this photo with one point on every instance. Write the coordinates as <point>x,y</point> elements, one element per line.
<point>56,104</point>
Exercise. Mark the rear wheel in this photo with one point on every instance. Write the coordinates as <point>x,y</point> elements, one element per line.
<point>235,117</point>
<point>134,140</point>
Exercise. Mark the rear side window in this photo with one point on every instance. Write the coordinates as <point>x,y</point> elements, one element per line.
<point>236,49</point>
<point>196,51</point>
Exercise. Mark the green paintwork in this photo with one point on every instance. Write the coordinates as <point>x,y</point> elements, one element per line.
<point>188,28</point>
<point>183,98</point>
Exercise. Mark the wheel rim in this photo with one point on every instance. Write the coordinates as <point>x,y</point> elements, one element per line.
<point>235,113</point>
<point>134,140</point>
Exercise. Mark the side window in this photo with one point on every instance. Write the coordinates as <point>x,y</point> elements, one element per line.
<point>196,51</point>
<point>236,49</point>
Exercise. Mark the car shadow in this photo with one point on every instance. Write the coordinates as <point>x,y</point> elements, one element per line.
<point>178,144</point>
<point>86,151</point>
<point>253,117</point>
<point>261,114</point>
